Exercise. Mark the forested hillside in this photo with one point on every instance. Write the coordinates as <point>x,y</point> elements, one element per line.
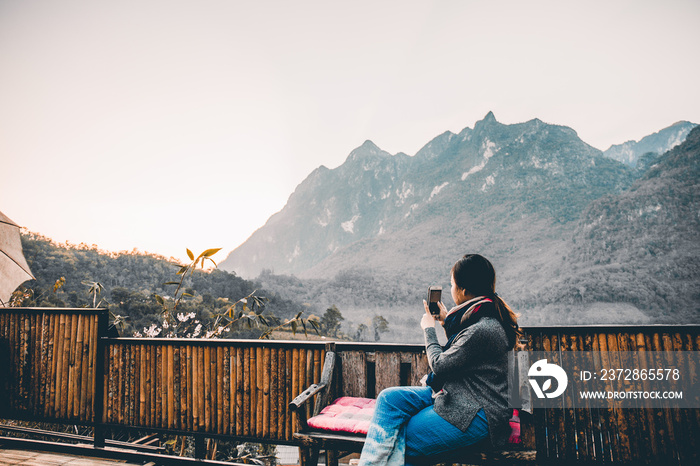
<point>642,246</point>
<point>130,280</point>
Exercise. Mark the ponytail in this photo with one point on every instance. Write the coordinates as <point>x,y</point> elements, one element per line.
<point>509,320</point>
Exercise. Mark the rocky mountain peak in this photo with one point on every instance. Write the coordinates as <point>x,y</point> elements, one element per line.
<point>337,217</point>
<point>662,141</point>
<point>489,118</point>
<point>368,148</point>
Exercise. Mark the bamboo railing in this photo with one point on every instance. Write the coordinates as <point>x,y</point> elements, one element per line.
<point>626,435</point>
<point>49,358</point>
<point>56,368</point>
<point>218,387</point>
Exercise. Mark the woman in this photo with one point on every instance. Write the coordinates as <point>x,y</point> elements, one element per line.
<point>466,398</point>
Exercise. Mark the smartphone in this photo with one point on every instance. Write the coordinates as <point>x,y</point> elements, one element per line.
<point>434,294</point>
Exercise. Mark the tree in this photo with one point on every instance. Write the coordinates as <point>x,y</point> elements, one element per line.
<point>330,322</point>
<point>360,332</point>
<point>379,325</point>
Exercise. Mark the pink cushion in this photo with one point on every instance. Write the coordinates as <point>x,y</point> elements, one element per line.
<point>346,414</point>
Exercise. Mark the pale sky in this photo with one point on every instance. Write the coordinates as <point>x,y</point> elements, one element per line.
<point>161,125</point>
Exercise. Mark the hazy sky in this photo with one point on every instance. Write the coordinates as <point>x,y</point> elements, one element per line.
<point>162,125</point>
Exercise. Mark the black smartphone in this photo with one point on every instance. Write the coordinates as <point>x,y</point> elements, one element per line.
<point>434,294</point>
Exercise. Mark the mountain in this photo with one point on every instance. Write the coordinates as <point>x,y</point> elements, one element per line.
<point>500,189</point>
<point>655,144</point>
<point>642,246</point>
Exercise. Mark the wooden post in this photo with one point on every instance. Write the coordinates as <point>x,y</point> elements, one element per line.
<point>101,368</point>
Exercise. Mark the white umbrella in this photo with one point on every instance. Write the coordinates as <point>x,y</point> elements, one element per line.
<point>14,269</point>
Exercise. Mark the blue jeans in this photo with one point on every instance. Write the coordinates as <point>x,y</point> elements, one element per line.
<point>405,425</point>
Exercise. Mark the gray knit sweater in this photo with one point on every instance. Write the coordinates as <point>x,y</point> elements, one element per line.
<point>476,369</point>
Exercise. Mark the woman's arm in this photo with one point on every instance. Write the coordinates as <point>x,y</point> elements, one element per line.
<point>468,349</point>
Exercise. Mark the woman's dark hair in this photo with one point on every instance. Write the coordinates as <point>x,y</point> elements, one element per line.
<point>475,274</point>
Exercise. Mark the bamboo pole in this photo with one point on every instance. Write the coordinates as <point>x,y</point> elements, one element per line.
<point>683,422</point>
<point>274,392</point>
<point>72,380</point>
<point>214,396</point>
<point>66,385</point>
<point>153,382</point>
<point>289,380</point>
<point>569,434</point>
<point>159,387</point>
<point>12,341</point>
<point>647,414</point>
<point>92,371</point>
<point>59,365</point>
<point>44,379</point>
<point>239,391</point>
<point>633,416</point>
<point>259,396</point>
<point>252,381</point>
<point>309,380</point>
<point>109,384</point>
<point>114,380</point>
<point>128,384</point>
<point>31,363</point>
<point>42,366</point>
<point>226,418</point>
<point>85,372</point>
<point>181,388</point>
<point>207,389</point>
<point>121,384</point>
<point>143,349</point>
<point>248,371</point>
<point>171,388</point>
<point>295,381</point>
<point>281,418</point>
<point>213,368</point>
<point>34,341</point>
<point>78,363</point>
<point>195,387</point>
<point>19,351</point>
<point>232,403</point>
<point>48,382</point>
<point>131,384</point>
<point>266,393</point>
<point>125,385</point>
<point>201,399</point>
<point>671,415</point>
<point>190,389</point>
<point>219,389</point>
<point>302,375</point>
<point>175,371</point>
<point>34,345</point>
<point>691,381</point>
<point>662,428</point>
<point>610,415</point>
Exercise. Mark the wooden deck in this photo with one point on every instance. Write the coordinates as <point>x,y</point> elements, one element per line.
<point>58,366</point>
<point>37,458</point>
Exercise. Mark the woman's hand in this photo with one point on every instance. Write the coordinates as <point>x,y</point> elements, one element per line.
<point>443,313</point>
<point>428,321</point>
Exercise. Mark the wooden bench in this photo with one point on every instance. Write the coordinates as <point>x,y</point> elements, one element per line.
<point>338,444</point>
